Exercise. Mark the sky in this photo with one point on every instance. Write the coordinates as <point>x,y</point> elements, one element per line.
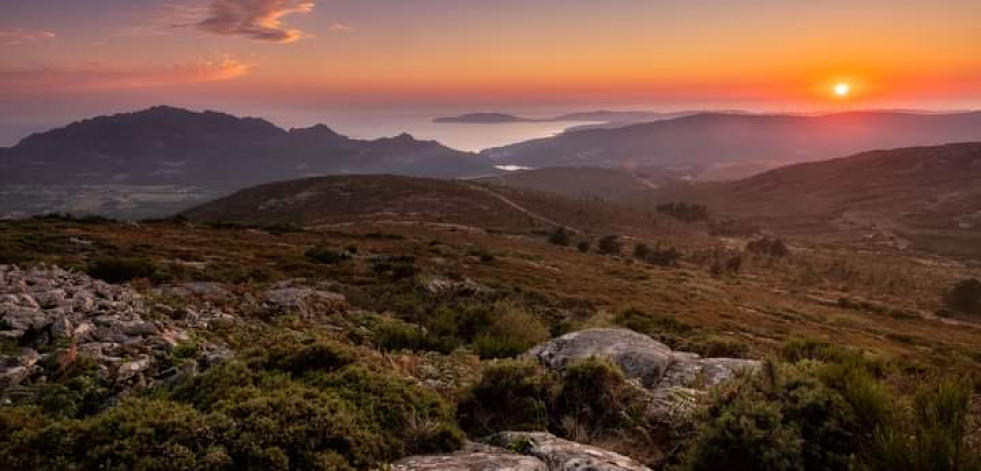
<point>66,59</point>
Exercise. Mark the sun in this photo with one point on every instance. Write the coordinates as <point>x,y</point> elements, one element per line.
<point>842,89</point>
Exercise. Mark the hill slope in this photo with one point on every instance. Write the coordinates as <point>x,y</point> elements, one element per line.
<point>928,195</point>
<point>395,199</point>
<point>716,138</point>
<point>598,182</point>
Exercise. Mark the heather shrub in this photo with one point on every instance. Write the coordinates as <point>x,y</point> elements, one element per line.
<point>120,269</point>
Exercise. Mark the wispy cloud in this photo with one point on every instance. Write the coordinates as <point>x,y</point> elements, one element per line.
<point>255,19</point>
<point>98,77</point>
<point>13,37</point>
<point>165,18</point>
<point>341,28</point>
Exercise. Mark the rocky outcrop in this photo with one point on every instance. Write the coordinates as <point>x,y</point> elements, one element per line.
<point>50,318</point>
<point>475,457</point>
<point>674,380</point>
<point>524,451</point>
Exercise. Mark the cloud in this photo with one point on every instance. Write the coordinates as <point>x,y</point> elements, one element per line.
<point>255,19</point>
<point>13,37</point>
<point>98,77</point>
<point>340,28</point>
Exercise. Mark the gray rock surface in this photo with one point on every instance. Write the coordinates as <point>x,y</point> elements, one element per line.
<point>676,381</point>
<point>474,457</point>
<point>47,312</point>
<point>564,455</point>
<point>308,302</point>
<point>524,451</point>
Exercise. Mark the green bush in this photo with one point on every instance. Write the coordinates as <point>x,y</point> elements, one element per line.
<point>120,269</point>
<point>326,255</point>
<point>512,395</point>
<point>293,402</point>
<point>512,333</point>
<point>965,297</point>
<point>609,245</point>
<point>596,400</point>
<point>560,236</point>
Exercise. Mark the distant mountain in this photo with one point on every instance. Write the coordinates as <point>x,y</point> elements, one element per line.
<point>597,182</point>
<point>164,145</point>
<point>927,196</point>
<point>384,198</point>
<point>483,118</point>
<point>718,138</point>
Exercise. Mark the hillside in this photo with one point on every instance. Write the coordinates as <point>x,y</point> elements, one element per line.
<point>720,138</point>
<point>930,196</point>
<point>598,182</point>
<point>394,199</point>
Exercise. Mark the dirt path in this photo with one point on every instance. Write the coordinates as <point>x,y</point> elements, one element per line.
<point>522,209</point>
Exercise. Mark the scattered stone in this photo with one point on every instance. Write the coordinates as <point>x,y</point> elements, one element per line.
<point>309,303</point>
<point>65,314</point>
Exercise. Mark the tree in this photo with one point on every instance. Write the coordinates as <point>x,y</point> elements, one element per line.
<point>965,297</point>
<point>560,236</point>
<point>609,245</point>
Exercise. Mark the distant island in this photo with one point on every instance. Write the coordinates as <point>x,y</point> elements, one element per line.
<point>484,118</point>
<point>601,117</point>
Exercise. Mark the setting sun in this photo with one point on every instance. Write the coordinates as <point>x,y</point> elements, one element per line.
<point>842,89</point>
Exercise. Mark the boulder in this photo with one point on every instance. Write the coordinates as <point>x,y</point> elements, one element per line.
<point>676,382</point>
<point>474,458</point>
<point>561,455</point>
<point>639,356</point>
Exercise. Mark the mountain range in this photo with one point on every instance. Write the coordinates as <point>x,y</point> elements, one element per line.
<point>725,138</point>
<point>217,151</point>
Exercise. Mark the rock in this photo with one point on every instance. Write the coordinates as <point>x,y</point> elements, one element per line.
<point>639,356</point>
<point>309,303</point>
<point>562,455</point>
<point>62,328</point>
<point>131,369</point>
<point>473,458</point>
<point>705,373</point>
<point>14,376</point>
<point>676,382</point>
<point>452,288</point>
<point>51,299</point>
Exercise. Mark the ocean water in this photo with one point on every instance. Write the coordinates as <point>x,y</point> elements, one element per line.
<point>465,137</point>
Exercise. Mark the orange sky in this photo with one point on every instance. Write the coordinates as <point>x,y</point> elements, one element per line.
<point>765,54</point>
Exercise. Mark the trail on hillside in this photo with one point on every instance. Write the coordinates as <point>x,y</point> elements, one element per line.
<point>522,209</point>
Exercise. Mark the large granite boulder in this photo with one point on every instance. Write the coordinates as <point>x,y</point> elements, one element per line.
<point>475,457</point>
<point>308,303</point>
<point>675,381</point>
<point>524,451</point>
<point>639,356</point>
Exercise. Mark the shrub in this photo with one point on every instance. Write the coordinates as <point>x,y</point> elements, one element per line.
<point>120,269</point>
<point>965,297</point>
<point>609,245</point>
<point>510,395</point>
<point>326,255</point>
<point>773,247</point>
<point>653,325</point>
<point>597,401</point>
<point>560,236</point>
<point>663,257</point>
<point>687,212</point>
<point>583,246</point>
<point>641,250</point>
<point>512,333</point>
